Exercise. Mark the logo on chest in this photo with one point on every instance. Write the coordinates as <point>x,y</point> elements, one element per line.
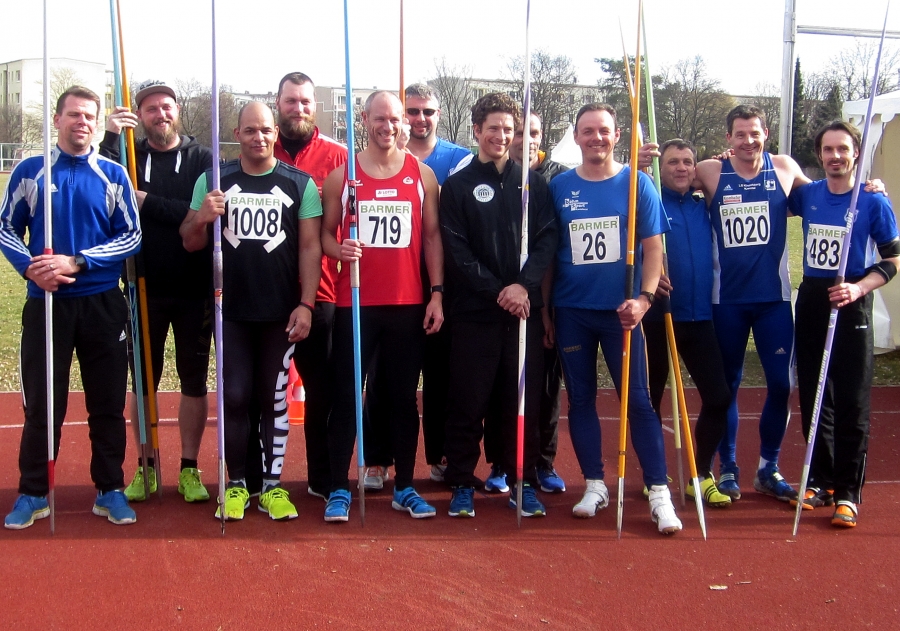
<point>483,193</point>
<point>381,193</point>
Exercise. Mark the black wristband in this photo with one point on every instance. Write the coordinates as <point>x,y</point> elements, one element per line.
<point>649,296</point>
<point>437,288</point>
<point>308,306</point>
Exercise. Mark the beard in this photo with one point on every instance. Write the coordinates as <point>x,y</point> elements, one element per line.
<point>162,138</point>
<point>297,128</point>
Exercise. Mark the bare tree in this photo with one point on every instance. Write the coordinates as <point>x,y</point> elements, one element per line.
<point>691,105</point>
<point>10,124</point>
<point>553,90</point>
<point>193,99</point>
<point>454,89</point>
<point>360,134</point>
<point>854,66</point>
<point>61,79</point>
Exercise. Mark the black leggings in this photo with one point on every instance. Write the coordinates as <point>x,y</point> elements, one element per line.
<point>699,350</point>
<point>256,360</point>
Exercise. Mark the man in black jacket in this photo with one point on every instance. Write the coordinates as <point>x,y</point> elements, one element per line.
<point>178,282</point>
<point>481,223</point>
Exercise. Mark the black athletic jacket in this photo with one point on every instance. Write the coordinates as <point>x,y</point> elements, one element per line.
<point>481,225</point>
<point>168,178</point>
<point>548,169</point>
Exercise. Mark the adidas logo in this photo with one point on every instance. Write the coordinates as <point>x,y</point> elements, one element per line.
<point>122,336</point>
<point>781,351</point>
<point>53,188</point>
<point>728,188</point>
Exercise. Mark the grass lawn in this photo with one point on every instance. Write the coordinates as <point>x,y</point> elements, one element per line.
<point>12,296</point>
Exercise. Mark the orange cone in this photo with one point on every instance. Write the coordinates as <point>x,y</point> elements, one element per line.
<point>297,397</point>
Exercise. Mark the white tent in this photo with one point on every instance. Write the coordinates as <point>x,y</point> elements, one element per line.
<point>566,152</point>
<point>883,161</point>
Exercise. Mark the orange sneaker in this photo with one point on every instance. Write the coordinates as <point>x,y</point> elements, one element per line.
<point>844,515</point>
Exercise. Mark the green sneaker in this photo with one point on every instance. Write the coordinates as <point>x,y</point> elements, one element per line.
<point>275,502</point>
<point>237,499</point>
<point>191,487</point>
<point>135,491</point>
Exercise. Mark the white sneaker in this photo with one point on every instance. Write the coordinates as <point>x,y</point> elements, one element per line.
<point>662,512</point>
<point>437,472</point>
<point>596,497</point>
<point>375,477</point>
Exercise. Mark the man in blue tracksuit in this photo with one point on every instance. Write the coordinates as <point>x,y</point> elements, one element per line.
<point>95,229</point>
<point>690,279</point>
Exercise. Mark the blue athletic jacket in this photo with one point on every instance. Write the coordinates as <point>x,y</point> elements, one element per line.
<point>94,214</point>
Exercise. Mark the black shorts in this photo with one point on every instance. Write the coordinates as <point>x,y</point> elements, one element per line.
<point>191,322</point>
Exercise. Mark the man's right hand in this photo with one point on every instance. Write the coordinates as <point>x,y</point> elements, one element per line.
<point>213,206</point>
<point>121,118</point>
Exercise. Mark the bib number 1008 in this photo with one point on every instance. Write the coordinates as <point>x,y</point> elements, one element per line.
<point>258,223</point>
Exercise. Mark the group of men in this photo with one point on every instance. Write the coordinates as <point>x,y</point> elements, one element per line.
<point>441,290</point>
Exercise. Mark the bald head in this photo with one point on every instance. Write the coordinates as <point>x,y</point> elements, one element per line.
<point>382,97</point>
<point>256,109</point>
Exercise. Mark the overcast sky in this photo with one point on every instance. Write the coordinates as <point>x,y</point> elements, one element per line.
<point>260,41</point>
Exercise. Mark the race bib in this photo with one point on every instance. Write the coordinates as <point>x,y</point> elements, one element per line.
<point>386,224</point>
<point>255,217</point>
<point>824,245</point>
<point>745,224</point>
<point>595,241</point>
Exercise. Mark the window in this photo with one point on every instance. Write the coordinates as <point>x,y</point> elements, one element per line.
<point>18,98</point>
<point>18,75</point>
<point>359,100</point>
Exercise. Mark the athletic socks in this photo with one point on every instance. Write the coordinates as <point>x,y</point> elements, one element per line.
<point>269,483</point>
<point>188,464</point>
<point>762,464</point>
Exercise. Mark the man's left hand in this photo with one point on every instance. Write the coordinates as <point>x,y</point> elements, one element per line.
<point>514,298</point>
<point>299,324</point>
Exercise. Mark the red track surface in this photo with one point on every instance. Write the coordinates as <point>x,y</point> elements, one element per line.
<point>173,569</point>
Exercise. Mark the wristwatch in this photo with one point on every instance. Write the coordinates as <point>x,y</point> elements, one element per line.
<point>437,288</point>
<point>80,262</point>
<point>649,296</point>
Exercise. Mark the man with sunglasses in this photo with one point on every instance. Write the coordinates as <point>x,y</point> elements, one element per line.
<point>423,112</point>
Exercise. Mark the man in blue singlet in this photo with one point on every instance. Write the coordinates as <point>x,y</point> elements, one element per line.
<point>747,197</point>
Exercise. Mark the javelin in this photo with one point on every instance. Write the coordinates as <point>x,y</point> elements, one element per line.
<point>218,276</point>
<point>141,281</point>
<point>629,274</point>
<point>130,272</point>
<point>48,295</point>
<point>354,274</point>
<point>402,86</point>
<point>676,387</point>
<point>842,269</point>
<point>523,258</point>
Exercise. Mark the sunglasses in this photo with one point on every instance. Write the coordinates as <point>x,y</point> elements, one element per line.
<point>414,111</point>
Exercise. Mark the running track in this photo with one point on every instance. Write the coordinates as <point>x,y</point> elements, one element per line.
<point>174,570</point>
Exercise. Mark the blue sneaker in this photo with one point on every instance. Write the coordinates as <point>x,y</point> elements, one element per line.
<point>496,482</point>
<point>26,509</point>
<point>550,481</point>
<point>338,506</point>
<point>407,499</point>
<point>531,505</point>
<point>769,481</point>
<point>728,485</point>
<point>462,502</point>
<point>114,505</point>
